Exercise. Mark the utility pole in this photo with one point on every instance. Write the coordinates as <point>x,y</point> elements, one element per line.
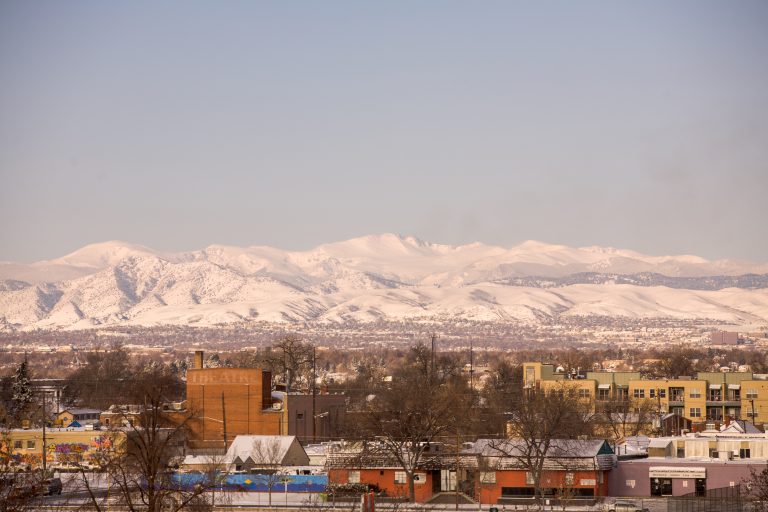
<point>658,409</point>
<point>456,483</point>
<point>224,420</point>
<point>434,340</point>
<point>44,440</point>
<point>314,394</point>
<point>471,367</point>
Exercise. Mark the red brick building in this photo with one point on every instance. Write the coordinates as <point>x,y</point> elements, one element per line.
<point>368,464</point>
<point>572,469</point>
<point>236,400</point>
<point>489,472</point>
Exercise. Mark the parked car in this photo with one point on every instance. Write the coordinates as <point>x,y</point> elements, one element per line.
<point>51,486</point>
<point>624,506</point>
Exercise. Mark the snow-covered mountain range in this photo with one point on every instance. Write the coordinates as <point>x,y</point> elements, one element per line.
<point>377,277</point>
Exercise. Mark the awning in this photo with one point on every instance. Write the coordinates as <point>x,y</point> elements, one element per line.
<point>734,386</point>
<point>603,386</point>
<point>714,386</point>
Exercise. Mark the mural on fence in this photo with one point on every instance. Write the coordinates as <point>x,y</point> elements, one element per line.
<point>259,483</point>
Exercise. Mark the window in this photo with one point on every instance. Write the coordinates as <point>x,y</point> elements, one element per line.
<point>487,477</point>
<point>663,393</point>
<point>744,453</point>
<point>529,478</point>
<point>17,445</point>
<point>568,478</point>
<point>695,393</point>
<point>583,393</point>
<point>713,453</point>
<point>299,415</point>
<point>400,477</point>
<point>420,478</point>
<point>653,393</point>
<point>30,445</point>
<point>695,412</point>
<point>638,393</point>
<point>751,393</point>
<point>353,477</point>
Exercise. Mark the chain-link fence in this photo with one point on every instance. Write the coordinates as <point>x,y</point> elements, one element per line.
<point>724,499</point>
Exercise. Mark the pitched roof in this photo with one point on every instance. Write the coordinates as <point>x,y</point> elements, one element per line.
<point>659,442</point>
<point>562,453</point>
<point>79,410</point>
<point>740,426</point>
<point>264,450</point>
<point>567,448</point>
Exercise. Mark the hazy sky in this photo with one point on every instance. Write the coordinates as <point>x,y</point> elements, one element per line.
<point>176,125</point>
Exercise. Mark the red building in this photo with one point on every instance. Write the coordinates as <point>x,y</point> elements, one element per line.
<point>369,464</point>
<point>491,471</point>
<point>572,469</point>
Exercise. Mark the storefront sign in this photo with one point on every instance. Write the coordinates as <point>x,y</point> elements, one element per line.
<point>677,472</point>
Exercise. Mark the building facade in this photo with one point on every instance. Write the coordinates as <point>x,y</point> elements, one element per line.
<point>318,418</point>
<point>230,402</point>
<point>61,446</point>
<point>707,396</point>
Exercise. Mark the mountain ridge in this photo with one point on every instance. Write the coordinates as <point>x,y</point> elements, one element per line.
<point>370,278</point>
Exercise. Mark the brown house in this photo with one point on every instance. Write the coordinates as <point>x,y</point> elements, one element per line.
<point>78,417</point>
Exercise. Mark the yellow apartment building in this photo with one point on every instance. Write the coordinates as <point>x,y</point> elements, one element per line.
<point>708,396</point>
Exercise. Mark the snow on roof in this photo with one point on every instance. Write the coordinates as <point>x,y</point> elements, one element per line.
<point>636,443</point>
<point>741,427</point>
<point>76,410</point>
<point>267,450</point>
<point>558,447</point>
<point>659,443</point>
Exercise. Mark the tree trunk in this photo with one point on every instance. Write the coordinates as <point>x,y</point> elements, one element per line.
<point>411,488</point>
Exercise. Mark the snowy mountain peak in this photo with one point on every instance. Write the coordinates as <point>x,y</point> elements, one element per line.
<point>372,278</point>
<point>104,254</point>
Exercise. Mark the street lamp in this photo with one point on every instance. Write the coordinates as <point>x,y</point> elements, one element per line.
<point>325,414</point>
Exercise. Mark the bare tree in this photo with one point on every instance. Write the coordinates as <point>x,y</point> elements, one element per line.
<point>19,486</point>
<point>267,455</point>
<point>105,379</point>
<point>619,418</point>
<point>757,484</point>
<point>536,422</point>
<point>423,402</point>
<point>139,474</point>
<point>291,358</point>
<point>215,472</point>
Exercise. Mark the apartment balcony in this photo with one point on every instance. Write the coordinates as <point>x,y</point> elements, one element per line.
<point>719,402</point>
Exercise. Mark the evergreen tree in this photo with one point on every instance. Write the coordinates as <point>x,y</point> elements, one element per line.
<point>21,389</point>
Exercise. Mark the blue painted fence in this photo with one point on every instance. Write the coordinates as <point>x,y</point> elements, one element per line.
<point>257,483</point>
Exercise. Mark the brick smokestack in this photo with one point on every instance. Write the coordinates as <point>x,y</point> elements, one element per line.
<point>198,360</point>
